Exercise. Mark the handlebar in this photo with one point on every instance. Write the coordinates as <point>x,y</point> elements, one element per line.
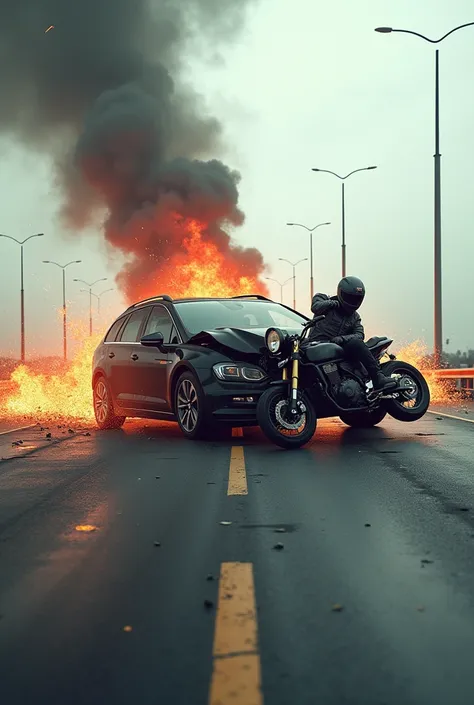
<point>313,322</point>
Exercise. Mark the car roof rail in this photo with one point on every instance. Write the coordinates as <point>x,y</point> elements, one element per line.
<point>251,296</point>
<point>161,297</point>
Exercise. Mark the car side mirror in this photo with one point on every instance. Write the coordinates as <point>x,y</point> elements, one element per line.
<point>152,340</point>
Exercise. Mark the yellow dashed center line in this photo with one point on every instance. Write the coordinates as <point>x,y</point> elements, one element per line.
<point>237,475</point>
<point>236,678</point>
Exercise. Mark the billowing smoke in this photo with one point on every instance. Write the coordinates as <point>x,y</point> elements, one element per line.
<point>105,93</point>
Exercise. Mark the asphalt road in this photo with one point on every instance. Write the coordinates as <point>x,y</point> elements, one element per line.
<point>370,600</point>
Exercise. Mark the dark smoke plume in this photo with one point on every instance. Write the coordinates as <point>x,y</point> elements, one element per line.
<point>105,93</point>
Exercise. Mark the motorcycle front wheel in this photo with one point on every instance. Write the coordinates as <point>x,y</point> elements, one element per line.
<point>274,420</point>
<point>412,404</point>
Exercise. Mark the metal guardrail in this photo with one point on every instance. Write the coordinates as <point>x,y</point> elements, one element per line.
<point>451,373</point>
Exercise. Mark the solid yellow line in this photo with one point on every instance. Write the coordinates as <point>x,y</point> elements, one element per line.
<point>237,475</point>
<point>236,676</point>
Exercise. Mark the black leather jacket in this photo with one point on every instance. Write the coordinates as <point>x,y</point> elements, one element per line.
<point>336,324</point>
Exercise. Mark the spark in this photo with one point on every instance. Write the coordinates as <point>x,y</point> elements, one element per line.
<point>51,26</point>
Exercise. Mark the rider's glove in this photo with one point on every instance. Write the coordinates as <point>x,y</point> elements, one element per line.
<point>337,340</point>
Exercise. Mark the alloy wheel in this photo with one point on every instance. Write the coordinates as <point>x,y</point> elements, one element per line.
<point>101,401</point>
<point>188,406</point>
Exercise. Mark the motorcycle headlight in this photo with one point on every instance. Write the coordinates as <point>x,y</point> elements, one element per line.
<point>273,340</point>
<point>238,373</point>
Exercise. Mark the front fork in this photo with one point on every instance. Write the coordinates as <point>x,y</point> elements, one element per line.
<point>295,357</point>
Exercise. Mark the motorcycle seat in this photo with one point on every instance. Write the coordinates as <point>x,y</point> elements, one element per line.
<point>322,352</point>
<point>372,342</point>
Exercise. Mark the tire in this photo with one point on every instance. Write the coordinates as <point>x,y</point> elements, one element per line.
<point>421,399</point>
<point>194,425</point>
<point>273,429</point>
<point>364,419</point>
<point>105,416</point>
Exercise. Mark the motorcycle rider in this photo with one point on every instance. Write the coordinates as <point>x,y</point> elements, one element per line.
<point>342,325</point>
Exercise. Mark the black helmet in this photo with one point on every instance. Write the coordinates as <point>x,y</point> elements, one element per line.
<point>350,293</point>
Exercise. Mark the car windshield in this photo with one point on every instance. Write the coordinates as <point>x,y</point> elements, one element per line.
<point>209,315</point>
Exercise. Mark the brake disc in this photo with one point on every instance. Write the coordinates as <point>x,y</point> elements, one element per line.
<point>286,424</point>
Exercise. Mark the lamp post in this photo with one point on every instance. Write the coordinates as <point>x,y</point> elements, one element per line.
<point>98,297</point>
<point>280,285</point>
<point>310,230</point>
<point>343,179</point>
<point>89,289</point>
<point>22,291</point>
<point>63,267</point>
<point>294,265</point>
<point>438,309</point>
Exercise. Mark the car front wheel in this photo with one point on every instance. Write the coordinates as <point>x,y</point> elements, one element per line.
<point>105,415</point>
<point>189,408</point>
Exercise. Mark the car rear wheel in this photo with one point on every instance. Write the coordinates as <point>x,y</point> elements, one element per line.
<point>189,408</point>
<point>105,416</point>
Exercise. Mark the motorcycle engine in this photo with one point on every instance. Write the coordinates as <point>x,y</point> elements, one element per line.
<point>349,393</point>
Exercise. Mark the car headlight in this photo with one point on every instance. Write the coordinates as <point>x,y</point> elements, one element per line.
<point>273,340</point>
<point>238,373</point>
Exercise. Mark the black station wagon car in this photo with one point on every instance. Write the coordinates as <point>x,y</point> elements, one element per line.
<point>195,361</point>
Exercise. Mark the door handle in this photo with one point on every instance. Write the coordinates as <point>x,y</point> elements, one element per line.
<point>111,354</point>
<point>134,356</point>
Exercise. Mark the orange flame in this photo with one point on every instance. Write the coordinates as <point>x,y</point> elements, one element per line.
<point>415,354</point>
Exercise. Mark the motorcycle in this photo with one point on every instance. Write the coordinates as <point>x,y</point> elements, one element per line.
<point>313,381</point>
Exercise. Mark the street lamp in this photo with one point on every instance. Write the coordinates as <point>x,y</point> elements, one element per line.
<point>294,265</point>
<point>280,285</point>
<point>22,290</point>
<point>63,267</point>
<point>310,230</point>
<point>438,312</point>
<point>343,179</point>
<point>98,297</point>
<point>89,289</point>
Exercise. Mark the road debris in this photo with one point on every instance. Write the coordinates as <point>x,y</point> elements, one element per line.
<point>157,544</point>
<point>426,561</point>
<point>225,523</point>
<point>278,547</point>
<point>17,443</point>
<point>86,528</point>
<point>128,628</point>
<point>420,608</point>
<point>70,430</point>
<point>367,525</point>
<point>337,608</point>
<point>48,435</point>
<point>281,530</point>
<point>210,577</point>
<point>208,604</point>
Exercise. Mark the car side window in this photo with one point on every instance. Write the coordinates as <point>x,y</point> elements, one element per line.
<point>133,325</point>
<point>114,329</point>
<point>159,322</point>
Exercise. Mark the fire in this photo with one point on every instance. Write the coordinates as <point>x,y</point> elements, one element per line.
<point>416,354</point>
<point>57,397</point>
<point>201,270</point>
<point>205,271</point>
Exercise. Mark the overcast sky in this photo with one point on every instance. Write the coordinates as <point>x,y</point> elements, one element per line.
<point>307,84</point>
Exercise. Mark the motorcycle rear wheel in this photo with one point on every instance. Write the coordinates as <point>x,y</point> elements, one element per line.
<point>272,405</point>
<point>416,404</point>
<point>363,419</point>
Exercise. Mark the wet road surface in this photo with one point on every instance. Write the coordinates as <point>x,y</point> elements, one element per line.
<point>137,567</point>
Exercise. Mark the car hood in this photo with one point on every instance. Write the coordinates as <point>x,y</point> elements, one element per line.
<point>243,340</point>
